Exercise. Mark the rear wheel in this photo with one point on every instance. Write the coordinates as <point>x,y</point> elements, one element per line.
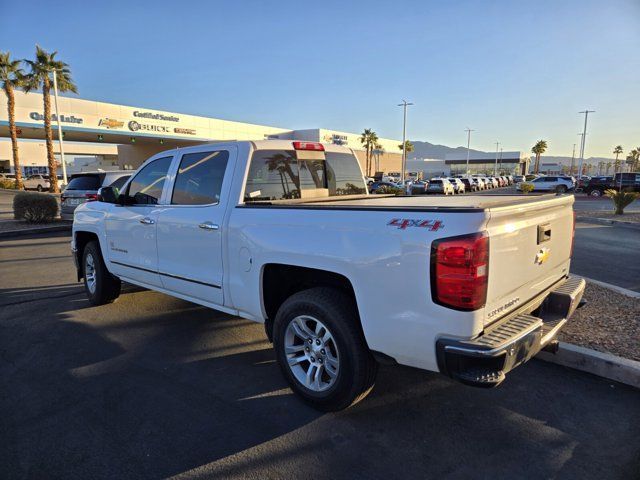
<point>595,193</point>
<point>561,189</point>
<point>101,287</point>
<point>321,349</point>
<point>39,188</point>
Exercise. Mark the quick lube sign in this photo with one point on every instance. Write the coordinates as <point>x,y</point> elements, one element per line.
<point>54,118</point>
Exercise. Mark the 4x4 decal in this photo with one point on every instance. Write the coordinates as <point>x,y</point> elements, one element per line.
<point>403,223</point>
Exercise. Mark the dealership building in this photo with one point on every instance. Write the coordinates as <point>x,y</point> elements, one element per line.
<point>108,136</point>
<point>504,163</point>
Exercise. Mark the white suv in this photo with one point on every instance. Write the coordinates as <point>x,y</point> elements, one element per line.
<point>549,183</point>
<point>36,182</point>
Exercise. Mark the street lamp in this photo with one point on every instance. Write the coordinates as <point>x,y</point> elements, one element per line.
<point>468,130</point>
<point>495,168</point>
<point>404,105</point>
<point>60,135</point>
<point>584,138</point>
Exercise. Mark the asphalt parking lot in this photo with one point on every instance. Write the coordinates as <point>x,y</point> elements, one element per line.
<point>152,387</point>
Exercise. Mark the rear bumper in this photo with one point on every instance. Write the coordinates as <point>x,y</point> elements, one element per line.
<point>484,361</point>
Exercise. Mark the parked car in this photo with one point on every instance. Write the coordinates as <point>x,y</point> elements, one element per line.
<point>218,226</point>
<point>83,187</point>
<point>510,179</point>
<point>518,178</point>
<point>7,176</point>
<point>530,177</point>
<point>549,183</point>
<point>458,184</point>
<point>470,184</point>
<point>482,185</point>
<point>494,182</point>
<point>419,187</point>
<point>441,185</point>
<point>36,182</point>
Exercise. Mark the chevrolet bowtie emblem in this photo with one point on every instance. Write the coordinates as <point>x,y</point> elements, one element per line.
<point>543,255</point>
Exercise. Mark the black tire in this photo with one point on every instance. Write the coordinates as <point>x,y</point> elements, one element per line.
<point>39,188</point>
<point>107,287</point>
<point>595,193</point>
<point>357,371</point>
<point>561,189</point>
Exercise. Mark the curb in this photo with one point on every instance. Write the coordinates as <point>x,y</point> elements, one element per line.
<point>31,231</point>
<point>615,288</point>
<point>602,364</point>
<point>606,221</point>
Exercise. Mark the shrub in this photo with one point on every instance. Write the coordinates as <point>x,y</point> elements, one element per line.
<point>7,183</point>
<point>526,188</point>
<point>35,207</point>
<point>389,190</point>
<point>621,199</point>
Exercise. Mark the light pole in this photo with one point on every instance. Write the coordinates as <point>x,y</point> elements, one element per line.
<point>495,168</point>
<point>500,158</point>
<point>404,106</point>
<point>55,95</point>
<point>468,130</point>
<point>584,138</point>
<point>573,157</point>
<point>579,170</point>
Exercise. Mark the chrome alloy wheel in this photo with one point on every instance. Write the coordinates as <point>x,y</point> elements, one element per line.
<point>90,273</point>
<point>312,353</point>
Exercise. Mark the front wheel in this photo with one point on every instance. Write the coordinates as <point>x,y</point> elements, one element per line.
<point>321,349</point>
<point>595,193</point>
<point>561,189</point>
<point>39,188</point>
<point>101,287</point>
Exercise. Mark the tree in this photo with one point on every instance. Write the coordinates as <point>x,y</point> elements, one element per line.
<point>12,77</point>
<point>633,159</point>
<point>617,151</point>
<point>378,150</point>
<point>408,146</point>
<point>39,78</point>
<point>368,138</point>
<point>608,167</point>
<point>539,148</point>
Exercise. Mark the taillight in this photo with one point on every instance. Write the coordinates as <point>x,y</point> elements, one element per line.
<point>91,197</point>
<point>459,271</point>
<point>318,147</point>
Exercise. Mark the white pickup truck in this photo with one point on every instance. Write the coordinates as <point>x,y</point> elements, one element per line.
<point>284,233</point>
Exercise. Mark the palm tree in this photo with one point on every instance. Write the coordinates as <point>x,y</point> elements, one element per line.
<point>608,166</point>
<point>539,148</point>
<point>39,78</point>
<point>617,151</point>
<point>12,77</point>
<point>633,159</point>
<point>408,146</point>
<point>368,138</point>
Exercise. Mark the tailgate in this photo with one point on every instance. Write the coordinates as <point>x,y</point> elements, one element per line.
<point>530,248</point>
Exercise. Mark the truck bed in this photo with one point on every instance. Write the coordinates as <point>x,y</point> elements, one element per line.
<point>469,202</point>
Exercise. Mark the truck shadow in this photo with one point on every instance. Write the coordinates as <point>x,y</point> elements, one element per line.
<point>152,386</point>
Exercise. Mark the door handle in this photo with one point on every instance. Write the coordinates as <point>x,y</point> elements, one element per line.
<point>209,226</point>
<point>147,221</point>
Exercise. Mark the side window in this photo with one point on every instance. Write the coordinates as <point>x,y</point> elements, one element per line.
<point>199,178</point>
<point>146,186</point>
<point>120,181</point>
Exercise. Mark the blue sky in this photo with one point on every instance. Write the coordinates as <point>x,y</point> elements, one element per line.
<point>514,71</point>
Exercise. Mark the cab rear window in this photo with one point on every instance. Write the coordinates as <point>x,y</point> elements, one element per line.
<point>279,175</point>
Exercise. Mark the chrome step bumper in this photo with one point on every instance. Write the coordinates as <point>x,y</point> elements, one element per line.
<point>485,360</point>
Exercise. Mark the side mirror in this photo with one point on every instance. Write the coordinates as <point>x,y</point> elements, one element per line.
<point>108,195</point>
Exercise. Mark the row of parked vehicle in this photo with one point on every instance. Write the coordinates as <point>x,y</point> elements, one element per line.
<point>445,185</point>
